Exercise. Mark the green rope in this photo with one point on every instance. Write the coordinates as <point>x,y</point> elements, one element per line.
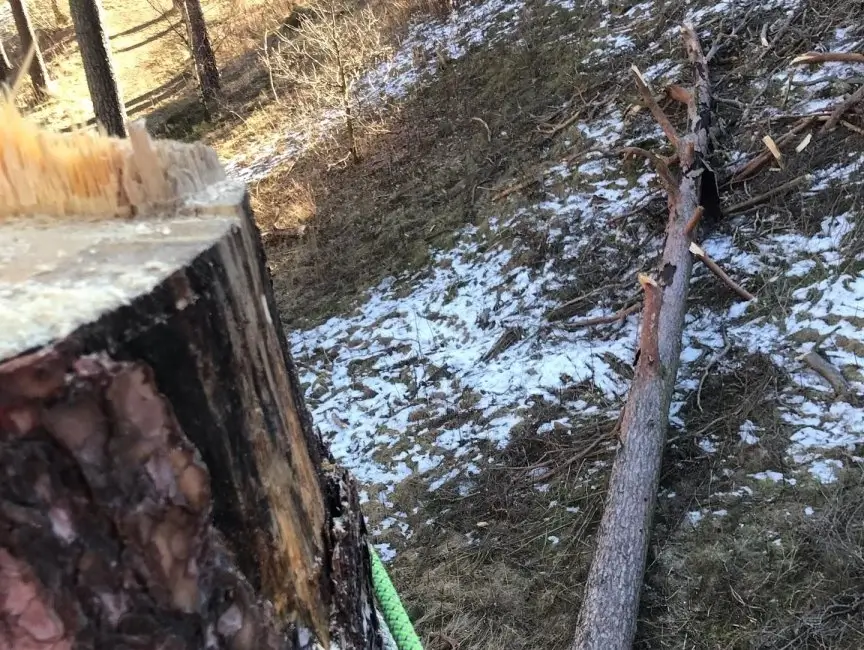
<point>394,613</point>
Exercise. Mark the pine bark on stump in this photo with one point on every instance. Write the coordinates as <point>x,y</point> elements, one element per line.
<point>607,619</point>
<point>5,66</point>
<point>202,51</point>
<point>161,485</point>
<point>87,17</point>
<point>27,39</point>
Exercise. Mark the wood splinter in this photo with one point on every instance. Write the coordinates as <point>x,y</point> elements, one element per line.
<point>720,273</point>
<point>649,338</point>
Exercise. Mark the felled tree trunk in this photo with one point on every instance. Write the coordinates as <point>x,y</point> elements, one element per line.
<point>161,485</point>
<point>607,620</point>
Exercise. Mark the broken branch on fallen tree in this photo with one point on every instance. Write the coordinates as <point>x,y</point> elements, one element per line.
<point>695,220</point>
<point>720,273</point>
<point>654,107</point>
<point>607,620</point>
<point>619,315</point>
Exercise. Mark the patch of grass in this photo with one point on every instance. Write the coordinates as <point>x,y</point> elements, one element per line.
<point>503,562</point>
<point>768,576</point>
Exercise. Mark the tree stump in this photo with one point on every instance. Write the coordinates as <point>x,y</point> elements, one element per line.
<point>161,485</point>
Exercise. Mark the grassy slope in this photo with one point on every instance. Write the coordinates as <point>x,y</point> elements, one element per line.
<point>490,561</point>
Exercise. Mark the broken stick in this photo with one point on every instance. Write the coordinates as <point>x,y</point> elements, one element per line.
<point>720,273</point>
<point>827,371</point>
<point>842,108</point>
<point>607,619</point>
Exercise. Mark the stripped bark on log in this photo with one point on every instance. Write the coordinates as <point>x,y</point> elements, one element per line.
<point>607,620</point>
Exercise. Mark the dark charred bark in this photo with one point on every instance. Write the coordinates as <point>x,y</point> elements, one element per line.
<point>160,481</point>
<point>202,52</point>
<point>98,67</point>
<point>27,38</point>
<point>607,620</point>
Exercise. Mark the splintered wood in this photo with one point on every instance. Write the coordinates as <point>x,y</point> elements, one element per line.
<point>91,175</point>
<point>151,416</point>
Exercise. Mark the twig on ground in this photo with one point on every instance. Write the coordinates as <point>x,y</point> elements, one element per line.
<point>750,168</point>
<point>852,127</point>
<point>539,174</point>
<point>721,38</point>
<point>781,31</point>
<point>841,109</point>
<point>828,57</point>
<point>571,307</point>
<point>720,273</point>
<point>619,315</point>
<point>714,360</point>
<point>827,371</point>
<point>761,198</point>
<point>485,126</point>
<point>579,455</point>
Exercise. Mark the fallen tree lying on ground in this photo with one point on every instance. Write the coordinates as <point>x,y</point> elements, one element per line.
<point>607,620</point>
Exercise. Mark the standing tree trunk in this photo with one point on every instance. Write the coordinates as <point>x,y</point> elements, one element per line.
<point>59,16</point>
<point>161,485</point>
<point>202,52</point>
<point>27,38</point>
<point>607,620</point>
<point>5,66</point>
<point>98,68</point>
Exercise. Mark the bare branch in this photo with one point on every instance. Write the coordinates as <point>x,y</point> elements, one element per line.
<point>828,57</point>
<point>669,183</point>
<point>619,315</point>
<point>761,198</point>
<point>693,224</point>
<point>842,107</point>
<point>720,273</point>
<point>654,107</point>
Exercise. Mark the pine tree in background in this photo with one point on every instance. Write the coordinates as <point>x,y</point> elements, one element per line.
<point>27,38</point>
<point>5,66</point>
<point>96,55</point>
<point>202,51</point>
